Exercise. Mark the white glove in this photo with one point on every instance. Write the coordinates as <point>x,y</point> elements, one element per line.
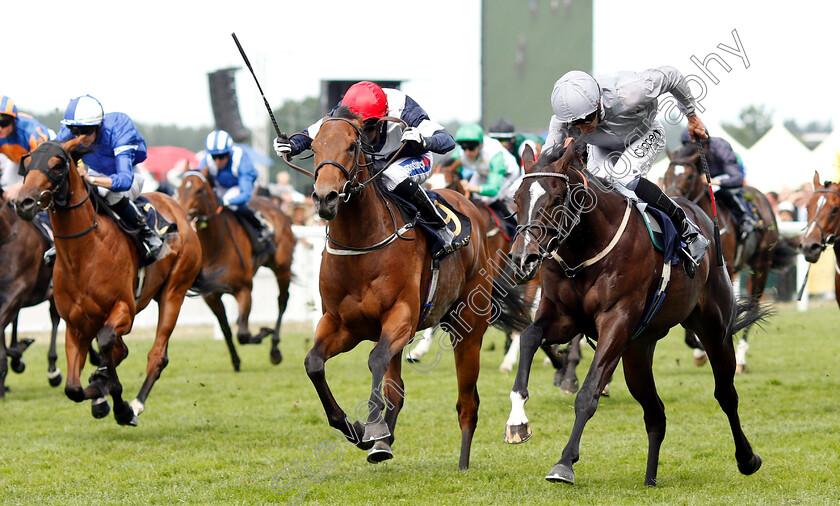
<point>226,201</point>
<point>282,146</point>
<point>411,134</point>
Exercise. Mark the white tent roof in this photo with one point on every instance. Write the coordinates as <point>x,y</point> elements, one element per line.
<point>824,158</point>
<point>777,161</point>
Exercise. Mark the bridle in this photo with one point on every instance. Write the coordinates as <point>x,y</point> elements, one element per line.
<point>200,219</point>
<point>59,192</point>
<point>826,239</point>
<point>692,179</point>
<point>557,234</point>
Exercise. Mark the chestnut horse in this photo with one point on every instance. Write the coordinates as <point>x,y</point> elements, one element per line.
<point>762,250</point>
<point>96,284</point>
<point>225,243</point>
<point>823,226</point>
<point>567,217</point>
<point>374,278</point>
<point>26,282</point>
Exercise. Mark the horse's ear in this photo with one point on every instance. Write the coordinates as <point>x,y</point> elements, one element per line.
<point>817,180</point>
<point>528,153</point>
<point>71,144</point>
<point>528,162</point>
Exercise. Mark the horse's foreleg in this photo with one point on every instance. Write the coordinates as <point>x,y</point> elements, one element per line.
<point>638,372</point>
<point>330,340</point>
<point>53,372</point>
<point>283,281</point>
<point>397,327</point>
<point>113,351</point>
<point>214,302</point>
<point>243,334</point>
<point>467,363</point>
<point>393,391</point>
<point>604,362</point>
<point>569,381</point>
<point>76,349</point>
<point>4,363</point>
<point>518,428</point>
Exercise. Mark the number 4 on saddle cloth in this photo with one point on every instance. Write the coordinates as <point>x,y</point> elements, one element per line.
<point>458,223</point>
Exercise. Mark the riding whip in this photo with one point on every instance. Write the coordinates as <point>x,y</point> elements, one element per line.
<point>804,283</point>
<point>712,196</point>
<point>267,106</point>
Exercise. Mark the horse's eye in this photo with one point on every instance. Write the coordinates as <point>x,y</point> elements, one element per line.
<point>835,210</point>
<point>351,148</point>
<point>558,200</point>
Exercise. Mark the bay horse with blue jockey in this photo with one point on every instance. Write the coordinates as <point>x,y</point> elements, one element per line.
<point>379,282</point>
<point>99,283</point>
<point>602,276</point>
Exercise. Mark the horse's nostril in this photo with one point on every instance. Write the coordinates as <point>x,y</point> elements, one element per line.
<point>332,197</point>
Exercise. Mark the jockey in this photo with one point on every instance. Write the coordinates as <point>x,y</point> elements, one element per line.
<point>728,175</point>
<point>421,136</point>
<point>504,131</point>
<point>20,134</point>
<point>493,168</point>
<point>616,116</point>
<point>233,180</point>
<point>111,147</point>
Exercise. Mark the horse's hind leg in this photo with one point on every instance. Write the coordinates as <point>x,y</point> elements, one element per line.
<point>53,372</point>
<point>214,302</point>
<point>243,333</point>
<point>284,278</point>
<point>467,363</point>
<point>16,348</point>
<point>721,353</point>
<point>638,372</point>
<point>569,380</point>
<point>697,348</point>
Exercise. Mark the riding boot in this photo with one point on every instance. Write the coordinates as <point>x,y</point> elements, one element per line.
<point>127,210</point>
<point>261,226</point>
<point>743,217</point>
<point>695,243</point>
<point>412,192</point>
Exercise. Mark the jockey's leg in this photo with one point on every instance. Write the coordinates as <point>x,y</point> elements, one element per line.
<point>412,192</point>
<point>127,210</point>
<point>256,220</point>
<point>734,200</point>
<point>696,244</point>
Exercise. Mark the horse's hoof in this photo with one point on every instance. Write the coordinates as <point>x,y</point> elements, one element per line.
<point>606,391</point>
<point>100,408</point>
<point>570,386</point>
<point>740,368</point>
<point>380,452</point>
<point>752,466</point>
<point>376,431</point>
<point>18,365</point>
<point>248,339</point>
<point>561,474</point>
<point>411,360</point>
<point>505,368</point>
<point>275,356</point>
<point>131,422</point>
<point>137,407</point>
<point>700,358</point>
<point>515,434</point>
<point>54,377</point>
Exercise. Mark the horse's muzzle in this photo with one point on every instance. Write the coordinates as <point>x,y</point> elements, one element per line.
<point>26,208</point>
<point>525,266</point>
<point>327,205</point>
<point>811,251</point>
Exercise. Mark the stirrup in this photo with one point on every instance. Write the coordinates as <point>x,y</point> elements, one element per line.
<point>49,257</point>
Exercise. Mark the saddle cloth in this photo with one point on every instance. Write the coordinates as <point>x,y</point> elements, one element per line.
<point>458,223</point>
<point>663,234</point>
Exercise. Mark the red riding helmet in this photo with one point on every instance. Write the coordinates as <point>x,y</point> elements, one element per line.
<point>366,98</point>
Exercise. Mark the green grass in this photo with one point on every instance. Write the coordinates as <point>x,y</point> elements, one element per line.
<point>210,435</point>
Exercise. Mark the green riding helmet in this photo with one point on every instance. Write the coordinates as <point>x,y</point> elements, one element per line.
<point>470,132</point>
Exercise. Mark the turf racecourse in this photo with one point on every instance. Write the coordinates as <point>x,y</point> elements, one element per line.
<point>210,435</point>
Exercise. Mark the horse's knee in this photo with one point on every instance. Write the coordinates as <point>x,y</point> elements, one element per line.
<point>74,392</point>
<point>314,364</point>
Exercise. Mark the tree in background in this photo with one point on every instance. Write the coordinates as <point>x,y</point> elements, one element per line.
<point>753,122</point>
<point>812,133</point>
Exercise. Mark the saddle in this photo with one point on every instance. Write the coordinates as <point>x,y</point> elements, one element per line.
<point>459,224</point>
<point>153,218</point>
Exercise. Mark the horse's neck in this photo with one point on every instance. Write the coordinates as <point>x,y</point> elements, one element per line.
<point>78,215</point>
<point>363,220</point>
<point>7,219</point>
<point>598,225</point>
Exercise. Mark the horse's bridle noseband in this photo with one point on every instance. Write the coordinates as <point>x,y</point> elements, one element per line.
<point>558,235</point>
<point>691,180</point>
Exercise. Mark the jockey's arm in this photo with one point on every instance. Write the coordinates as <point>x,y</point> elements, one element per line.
<point>498,169</point>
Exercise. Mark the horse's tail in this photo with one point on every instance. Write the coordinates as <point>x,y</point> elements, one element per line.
<point>747,312</point>
<point>784,254</point>
<point>207,282</point>
<point>514,308</point>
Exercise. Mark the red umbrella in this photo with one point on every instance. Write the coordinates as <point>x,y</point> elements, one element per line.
<point>162,159</point>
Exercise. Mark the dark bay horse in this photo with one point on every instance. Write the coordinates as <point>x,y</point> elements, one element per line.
<point>567,218</point>
<point>25,281</point>
<point>96,285</point>
<point>762,250</point>
<point>374,280</point>
<point>823,226</point>
<point>226,243</point>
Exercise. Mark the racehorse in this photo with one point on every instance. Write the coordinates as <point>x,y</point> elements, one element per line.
<point>762,250</point>
<point>26,282</point>
<point>567,217</point>
<point>98,284</point>
<point>225,242</point>
<point>375,285</point>
<point>823,226</point>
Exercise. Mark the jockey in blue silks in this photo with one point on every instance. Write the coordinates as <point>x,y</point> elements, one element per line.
<point>233,174</point>
<point>111,147</point>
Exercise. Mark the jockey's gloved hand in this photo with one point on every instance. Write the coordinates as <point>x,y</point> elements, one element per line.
<point>282,146</point>
<point>226,201</point>
<point>411,134</point>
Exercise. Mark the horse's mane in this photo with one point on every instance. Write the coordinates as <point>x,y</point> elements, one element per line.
<point>557,152</point>
<point>686,151</point>
<point>345,112</point>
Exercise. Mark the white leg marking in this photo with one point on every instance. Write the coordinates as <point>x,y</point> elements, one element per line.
<point>137,407</point>
<point>517,410</point>
<point>511,355</point>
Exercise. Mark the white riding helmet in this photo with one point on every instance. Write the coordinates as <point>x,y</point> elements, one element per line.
<point>576,95</point>
<point>218,142</point>
<point>83,111</point>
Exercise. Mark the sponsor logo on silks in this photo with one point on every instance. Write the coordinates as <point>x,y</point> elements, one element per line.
<point>417,165</point>
<point>450,217</point>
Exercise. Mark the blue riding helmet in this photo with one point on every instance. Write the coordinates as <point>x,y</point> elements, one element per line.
<point>218,142</point>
